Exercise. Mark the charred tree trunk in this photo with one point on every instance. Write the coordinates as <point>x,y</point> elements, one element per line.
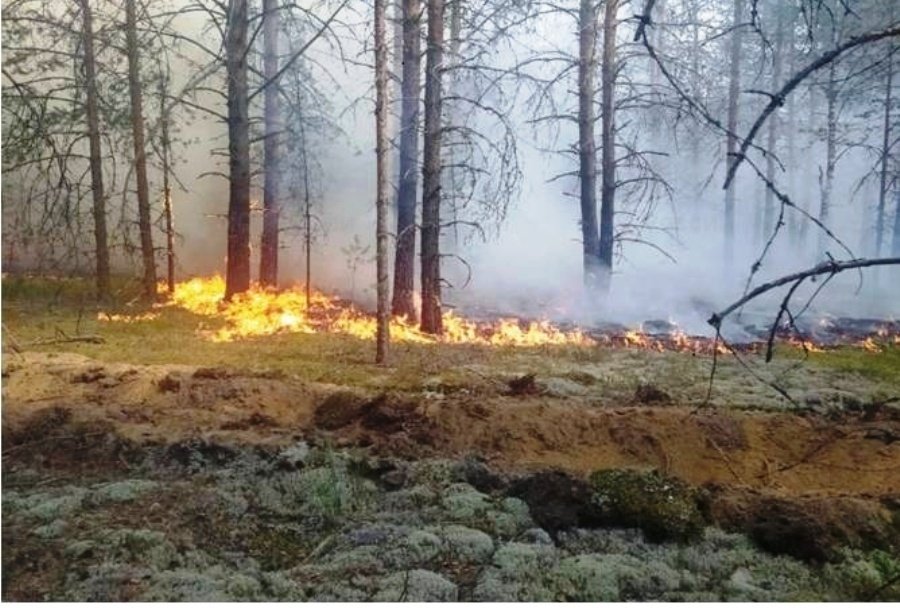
<point>405,255</point>
<point>140,152</point>
<point>432,321</point>
<point>731,143</point>
<point>772,136</point>
<point>381,203</point>
<point>587,147</point>
<point>608,143</point>
<point>830,151</point>
<point>885,154</point>
<point>237,274</point>
<point>268,251</point>
<point>101,246</point>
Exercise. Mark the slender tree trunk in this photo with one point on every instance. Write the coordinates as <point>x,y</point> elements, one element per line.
<point>885,155</point>
<point>731,143</point>
<point>101,246</point>
<point>168,212</point>
<point>895,249</point>
<point>432,321</point>
<point>453,118</point>
<point>140,152</point>
<point>405,254</point>
<point>587,146</point>
<point>307,208</point>
<point>268,252</point>
<point>792,135</point>
<point>772,136</point>
<point>381,202</point>
<point>607,135</point>
<point>237,275</point>
<point>830,151</point>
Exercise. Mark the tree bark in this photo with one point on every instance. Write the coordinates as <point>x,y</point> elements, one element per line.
<point>885,154</point>
<point>587,147</point>
<point>830,151</point>
<point>731,143</point>
<point>607,141</point>
<point>168,212</point>
<point>381,203</point>
<point>237,275</point>
<point>268,252</point>
<point>772,137</point>
<point>140,153</point>
<point>432,321</point>
<point>405,255</point>
<point>101,246</point>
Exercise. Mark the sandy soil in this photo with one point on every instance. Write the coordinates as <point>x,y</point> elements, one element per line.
<point>851,454</point>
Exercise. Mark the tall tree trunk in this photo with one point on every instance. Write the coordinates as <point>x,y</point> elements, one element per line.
<point>168,212</point>
<point>237,274</point>
<point>101,246</point>
<point>405,255</point>
<point>772,136</point>
<point>895,249</point>
<point>608,143</point>
<point>432,321</point>
<point>793,219</point>
<point>731,143</point>
<point>587,146</point>
<point>140,152</point>
<point>885,154</point>
<point>381,203</point>
<point>830,152</point>
<point>268,252</point>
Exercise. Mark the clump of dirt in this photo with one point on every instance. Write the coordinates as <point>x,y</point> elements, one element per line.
<point>650,393</point>
<point>811,528</point>
<point>558,500</point>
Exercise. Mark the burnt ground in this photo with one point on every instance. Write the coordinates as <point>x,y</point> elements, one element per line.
<point>130,481</point>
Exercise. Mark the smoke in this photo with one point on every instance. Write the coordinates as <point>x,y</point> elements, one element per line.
<point>530,264</point>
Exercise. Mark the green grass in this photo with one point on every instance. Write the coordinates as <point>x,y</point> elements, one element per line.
<point>40,308</point>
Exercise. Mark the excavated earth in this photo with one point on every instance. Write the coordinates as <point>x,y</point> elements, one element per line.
<point>188,483</point>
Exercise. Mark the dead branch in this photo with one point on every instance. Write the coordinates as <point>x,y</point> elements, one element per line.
<point>89,338</point>
<point>830,267</point>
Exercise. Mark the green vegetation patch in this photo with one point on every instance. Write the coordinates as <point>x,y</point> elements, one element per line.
<point>663,507</point>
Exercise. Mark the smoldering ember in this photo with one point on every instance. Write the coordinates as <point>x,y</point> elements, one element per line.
<point>451,300</point>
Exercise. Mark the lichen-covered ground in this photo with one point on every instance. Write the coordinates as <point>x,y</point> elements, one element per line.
<point>159,466</point>
<point>194,521</point>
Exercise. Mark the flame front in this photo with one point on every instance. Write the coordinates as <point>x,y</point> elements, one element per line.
<point>263,312</point>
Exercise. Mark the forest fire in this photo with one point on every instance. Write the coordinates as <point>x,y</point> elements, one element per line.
<point>263,312</point>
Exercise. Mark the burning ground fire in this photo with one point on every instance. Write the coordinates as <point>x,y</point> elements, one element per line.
<point>264,312</point>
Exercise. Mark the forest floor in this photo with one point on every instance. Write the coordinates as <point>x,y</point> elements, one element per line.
<point>159,465</point>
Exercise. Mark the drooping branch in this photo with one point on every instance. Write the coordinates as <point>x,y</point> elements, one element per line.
<point>830,267</point>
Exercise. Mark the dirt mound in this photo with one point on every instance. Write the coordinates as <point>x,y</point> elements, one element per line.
<point>792,480</point>
<point>807,527</point>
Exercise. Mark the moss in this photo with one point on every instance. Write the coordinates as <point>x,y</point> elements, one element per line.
<point>465,544</point>
<point>663,507</point>
<point>47,508</point>
<point>122,491</point>
<point>865,576</point>
<point>54,529</point>
<point>279,547</point>
<point>881,365</point>
<point>415,586</point>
